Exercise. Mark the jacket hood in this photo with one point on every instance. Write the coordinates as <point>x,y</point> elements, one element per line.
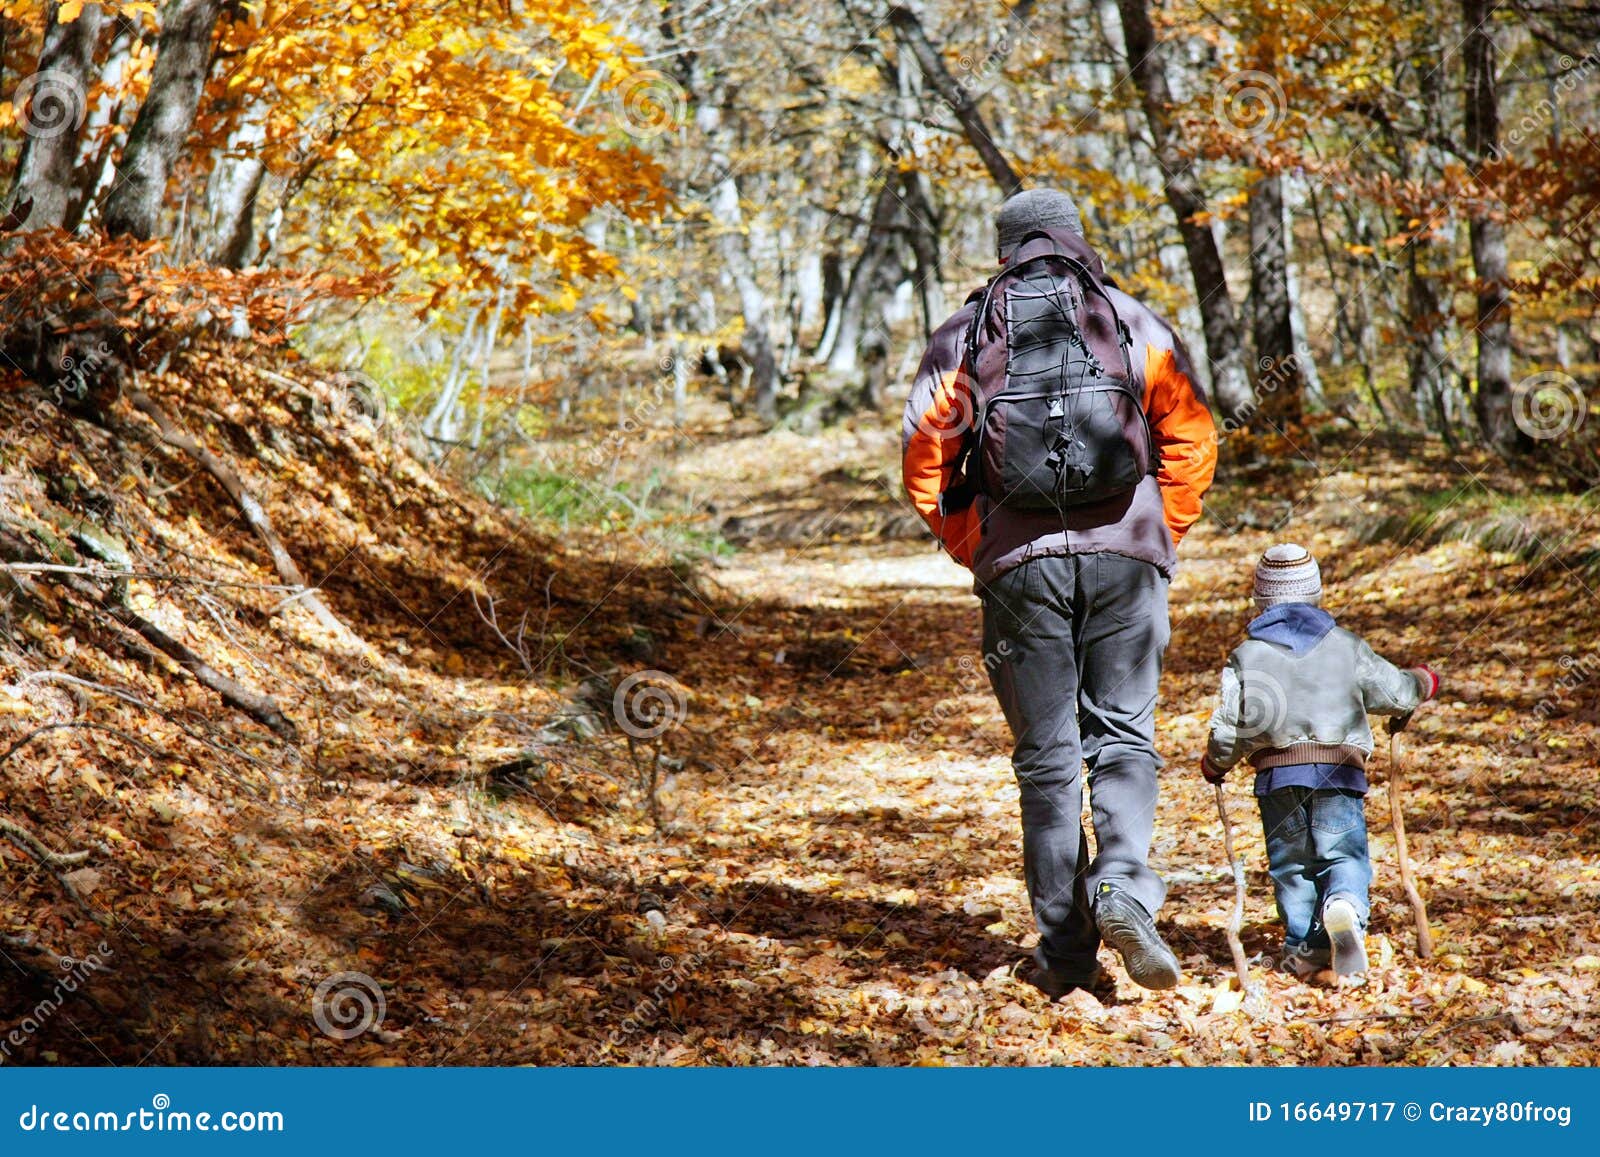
<point>1296,626</point>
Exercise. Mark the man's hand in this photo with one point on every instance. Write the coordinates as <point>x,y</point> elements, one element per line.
<point>1214,775</point>
<point>1395,724</point>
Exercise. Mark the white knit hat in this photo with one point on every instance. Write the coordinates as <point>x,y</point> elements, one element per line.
<point>1287,574</point>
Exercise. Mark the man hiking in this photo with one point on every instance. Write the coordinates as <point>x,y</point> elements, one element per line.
<point>1057,445</point>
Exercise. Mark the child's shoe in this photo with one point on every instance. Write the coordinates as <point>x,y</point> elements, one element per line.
<point>1349,938</point>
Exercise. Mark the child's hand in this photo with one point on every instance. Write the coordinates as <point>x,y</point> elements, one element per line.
<point>1428,683</point>
<point>1213,775</point>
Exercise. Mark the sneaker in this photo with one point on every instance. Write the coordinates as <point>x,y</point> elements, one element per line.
<point>1303,962</point>
<point>1127,927</point>
<point>1349,938</point>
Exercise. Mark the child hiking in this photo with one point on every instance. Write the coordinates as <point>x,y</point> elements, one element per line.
<point>1294,702</point>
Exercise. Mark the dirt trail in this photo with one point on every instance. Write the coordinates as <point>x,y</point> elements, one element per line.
<point>870,836</point>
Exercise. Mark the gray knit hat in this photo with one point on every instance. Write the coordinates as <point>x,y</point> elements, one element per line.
<point>1031,210</point>
<point>1287,574</point>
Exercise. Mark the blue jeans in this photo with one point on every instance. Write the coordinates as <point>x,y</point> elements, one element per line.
<point>1316,850</point>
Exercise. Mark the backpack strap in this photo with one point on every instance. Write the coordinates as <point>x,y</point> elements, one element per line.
<point>960,495</point>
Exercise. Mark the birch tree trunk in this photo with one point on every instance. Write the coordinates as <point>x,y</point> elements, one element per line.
<point>1279,380</point>
<point>236,177</point>
<point>183,57</point>
<point>103,133</point>
<point>733,245</point>
<point>57,104</point>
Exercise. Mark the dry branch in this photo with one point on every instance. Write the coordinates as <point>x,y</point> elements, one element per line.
<point>52,862</point>
<point>76,725</point>
<point>257,704</point>
<point>1241,963</point>
<point>1419,910</point>
<point>35,847</point>
<point>254,513</point>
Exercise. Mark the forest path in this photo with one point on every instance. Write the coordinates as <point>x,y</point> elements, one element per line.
<point>864,843</point>
<point>836,877</point>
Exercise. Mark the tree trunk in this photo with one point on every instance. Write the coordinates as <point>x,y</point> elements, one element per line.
<point>757,339</point>
<point>843,356</point>
<point>1487,232</point>
<point>236,177</point>
<point>103,133</point>
<point>1426,354</point>
<point>925,230</point>
<point>1187,200</point>
<point>183,57</point>
<point>57,104</point>
<point>1279,380</point>
<point>909,31</point>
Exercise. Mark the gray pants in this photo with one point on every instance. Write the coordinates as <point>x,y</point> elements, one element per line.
<point>1074,646</point>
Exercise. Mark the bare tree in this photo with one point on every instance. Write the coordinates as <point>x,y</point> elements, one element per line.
<point>1147,66</point>
<point>1487,231</point>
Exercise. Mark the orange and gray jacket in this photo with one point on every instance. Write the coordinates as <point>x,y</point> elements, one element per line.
<point>1144,523</point>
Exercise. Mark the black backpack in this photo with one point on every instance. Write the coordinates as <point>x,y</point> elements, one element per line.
<point>1058,421</point>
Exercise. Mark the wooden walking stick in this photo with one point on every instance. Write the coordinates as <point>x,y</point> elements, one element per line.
<point>1241,964</point>
<point>1419,910</point>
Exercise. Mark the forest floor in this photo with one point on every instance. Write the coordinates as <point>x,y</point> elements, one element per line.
<point>461,833</point>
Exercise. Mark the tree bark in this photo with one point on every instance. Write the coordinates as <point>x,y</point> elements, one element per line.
<point>45,165</point>
<point>183,58</point>
<point>924,228</point>
<point>844,354</point>
<point>1187,200</point>
<point>102,133</point>
<point>1279,378</point>
<point>1487,232</point>
<point>236,176</point>
<point>757,339</point>
<point>910,32</point>
<point>1426,354</point>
